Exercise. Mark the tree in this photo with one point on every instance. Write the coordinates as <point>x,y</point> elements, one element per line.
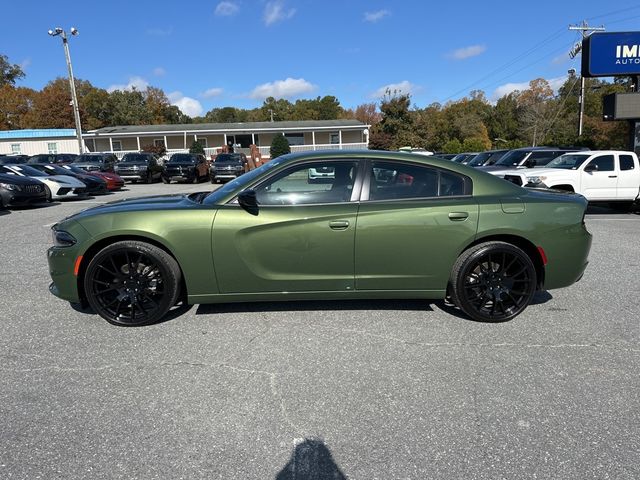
<point>196,147</point>
<point>52,107</point>
<point>452,146</point>
<point>366,113</point>
<point>9,73</point>
<point>398,125</point>
<point>159,150</point>
<point>15,105</point>
<point>279,146</point>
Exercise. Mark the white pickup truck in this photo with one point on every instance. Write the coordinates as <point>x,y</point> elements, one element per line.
<point>601,176</point>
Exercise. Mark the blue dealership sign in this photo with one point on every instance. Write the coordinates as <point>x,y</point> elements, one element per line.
<point>611,54</point>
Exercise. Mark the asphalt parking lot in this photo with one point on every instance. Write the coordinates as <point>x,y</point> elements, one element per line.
<point>377,389</point>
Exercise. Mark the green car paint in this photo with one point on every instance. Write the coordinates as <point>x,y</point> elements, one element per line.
<point>397,248</point>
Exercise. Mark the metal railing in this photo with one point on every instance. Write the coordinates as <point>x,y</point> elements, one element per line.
<point>264,151</point>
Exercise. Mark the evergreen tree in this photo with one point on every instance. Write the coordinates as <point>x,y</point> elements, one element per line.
<point>279,146</point>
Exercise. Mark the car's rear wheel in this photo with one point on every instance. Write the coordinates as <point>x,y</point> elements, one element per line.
<point>48,193</point>
<point>493,282</point>
<point>132,283</point>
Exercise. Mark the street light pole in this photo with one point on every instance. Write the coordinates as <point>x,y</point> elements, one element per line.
<point>72,84</point>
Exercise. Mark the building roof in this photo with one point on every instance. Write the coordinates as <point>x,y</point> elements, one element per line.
<point>39,133</point>
<point>229,127</point>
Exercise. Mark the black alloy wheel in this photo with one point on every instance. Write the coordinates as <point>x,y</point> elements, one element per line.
<point>493,282</point>
<point>132,283</point>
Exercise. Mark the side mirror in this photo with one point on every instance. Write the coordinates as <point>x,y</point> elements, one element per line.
<point>592,167</point>
<point>248,200</point>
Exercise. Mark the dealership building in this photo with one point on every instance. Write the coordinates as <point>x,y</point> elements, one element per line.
<point>302,136</point>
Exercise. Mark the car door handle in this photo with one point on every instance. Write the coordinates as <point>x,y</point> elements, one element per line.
<point>339,224</point>
<point>613,176</point>
<point>458,216</point>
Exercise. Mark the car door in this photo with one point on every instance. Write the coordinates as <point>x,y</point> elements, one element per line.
<point>300,238</point>
<point>413,222</point>
<point>628,177</point>
<point>601,183</point>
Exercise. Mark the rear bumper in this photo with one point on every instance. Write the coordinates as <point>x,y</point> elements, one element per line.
<point>568,256</point>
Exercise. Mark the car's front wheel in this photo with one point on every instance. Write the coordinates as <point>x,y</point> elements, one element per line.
<point>132,283</point>
<point>493,282</point>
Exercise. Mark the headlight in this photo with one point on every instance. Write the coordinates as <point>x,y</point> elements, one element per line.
<point>536,180</point>
<point>62,238</point>
<point>10,186</point>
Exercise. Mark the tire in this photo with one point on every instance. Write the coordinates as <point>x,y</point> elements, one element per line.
<point>165,180</point>
<point>149,178</point>
<point>48,191</point>
<point>213,180</point>
<point>493,282</point>
<point>132,283</point>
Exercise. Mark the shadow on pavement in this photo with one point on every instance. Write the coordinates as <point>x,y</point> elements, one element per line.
<point>311,460</point>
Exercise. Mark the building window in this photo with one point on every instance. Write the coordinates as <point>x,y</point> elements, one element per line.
<point>334,138</point>
<point>52,147</point>
<point>15,148</point>
<point>117,145</point>
<point>295,138</point>
<point>203,142</point>
<point>159,142</point>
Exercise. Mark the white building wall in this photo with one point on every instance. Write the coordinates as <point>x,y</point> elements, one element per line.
<point>34,146</point>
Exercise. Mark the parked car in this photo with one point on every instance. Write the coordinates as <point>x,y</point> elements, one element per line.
<point>13,159</point>
<point>58,158</point>
<point>191,167</point>
<point>57,187</point>
<point>139,167</point>
<point>484,159</point>
<point>94,185</point>
<point>601,176</point>
<point>96,162</point>
<point>445,156</point>
<point>528,157</point>
<point>18,191</point>
<point>227,166</point>
<point>432,229</point>
<point>464,158</point>
<point>114,182</point>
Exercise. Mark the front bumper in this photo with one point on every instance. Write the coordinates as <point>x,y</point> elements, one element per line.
<point>137,176</point>
<point>20,199</point>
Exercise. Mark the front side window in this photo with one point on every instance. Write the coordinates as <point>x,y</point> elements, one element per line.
<point>52,147</point>
<point>395,181</point>
<point>310,183</point>
<point>603,162</point>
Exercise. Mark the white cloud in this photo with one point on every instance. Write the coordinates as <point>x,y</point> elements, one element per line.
<point>507,88</point>
<point>467,52</point>
<point>276,12</point>
<point>226,9</point>
<point>374,17</point>
<point>560,59</point>
<point>159,71</point>
<point>402,88</point>
<point>25,63</point>
<point>138,83</point>
<point>212,92</point>
<point>187,105</point>
<point>291,87</point>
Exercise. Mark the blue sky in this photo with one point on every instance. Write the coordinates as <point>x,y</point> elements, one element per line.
<point>207,54</point>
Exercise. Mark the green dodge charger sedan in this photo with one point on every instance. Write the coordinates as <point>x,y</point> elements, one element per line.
<point>374,225</point>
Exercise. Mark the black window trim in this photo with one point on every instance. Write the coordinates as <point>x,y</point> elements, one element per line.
<point>364,197</point>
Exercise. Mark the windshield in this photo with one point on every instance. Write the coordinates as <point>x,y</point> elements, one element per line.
<point>513,158</point>
<point>74,169</point>
<point>135,158</point>
<point>479,159</point>
<point>182,158</point>
<point>242,181</point>
<point>26,170</point>
<point>88,159</point>
<point>54,170</point>
<point>568,161</point>
<point>229,157</point>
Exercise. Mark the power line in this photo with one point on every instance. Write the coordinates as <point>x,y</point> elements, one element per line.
<point>614,13</point>
<point>537,46</point>
<point>564,101</point>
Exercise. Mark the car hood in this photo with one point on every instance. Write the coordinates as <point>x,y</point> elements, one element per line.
<point>556,172</point>
<point>18,180</point>
<point>64,179</point>
<point>158,202</point>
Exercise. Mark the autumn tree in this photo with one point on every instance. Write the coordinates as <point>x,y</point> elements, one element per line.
<point>15,105</point>
<point>366,113</point>
<point>9,73</point>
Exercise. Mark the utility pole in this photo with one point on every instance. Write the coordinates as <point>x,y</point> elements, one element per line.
<point>72,84</point>
<point>586,30</point>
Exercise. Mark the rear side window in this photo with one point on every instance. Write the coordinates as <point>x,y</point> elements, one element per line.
<point>604,163</point>
<point>395,181</point>
<point>626,162</point>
